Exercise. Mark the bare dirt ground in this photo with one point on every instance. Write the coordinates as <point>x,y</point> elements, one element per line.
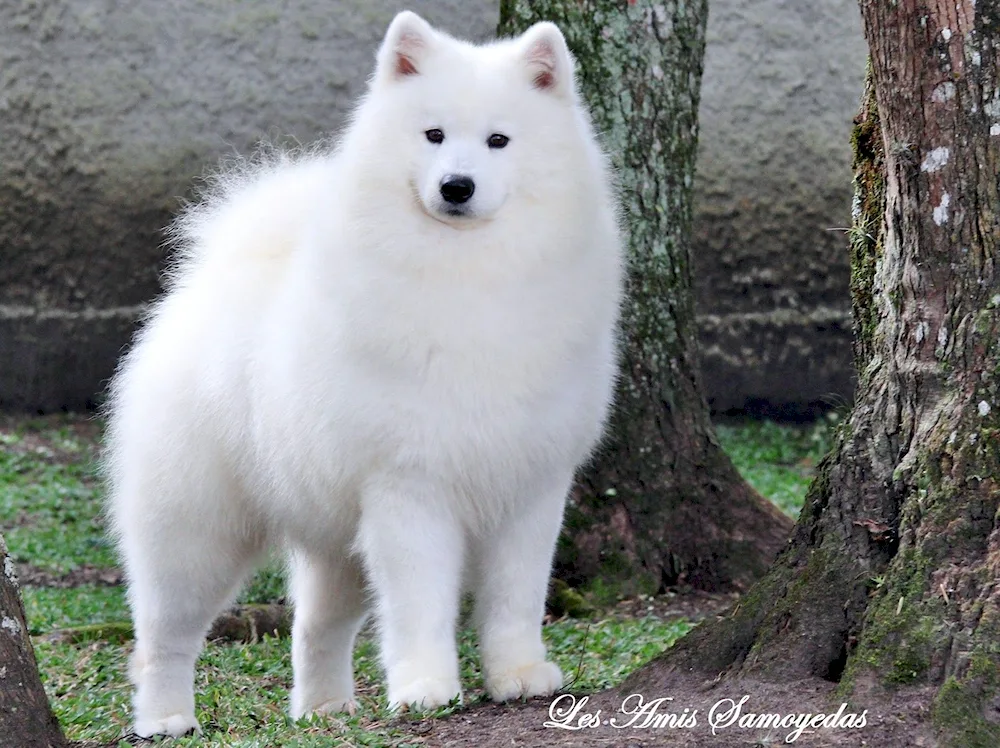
<point>892,720</point>
<point>895,721</point>
<point>32,576</point>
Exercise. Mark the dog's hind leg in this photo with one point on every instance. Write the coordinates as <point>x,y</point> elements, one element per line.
<point>183,567</point>
<point>328,592</point>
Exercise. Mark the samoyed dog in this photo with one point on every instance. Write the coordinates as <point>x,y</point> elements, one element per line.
<point>387,359</point>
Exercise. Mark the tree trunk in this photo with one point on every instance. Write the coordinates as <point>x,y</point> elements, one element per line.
<point>892,577</point>
<point>26,719</point>
<point>661,504</point>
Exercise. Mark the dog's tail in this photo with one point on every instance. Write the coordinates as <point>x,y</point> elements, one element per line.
<point>251,209</point>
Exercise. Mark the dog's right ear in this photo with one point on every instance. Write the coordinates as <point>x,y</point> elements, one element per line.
<point>405,46</point>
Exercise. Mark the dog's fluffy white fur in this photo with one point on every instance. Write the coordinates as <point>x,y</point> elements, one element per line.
<point>393,386</point>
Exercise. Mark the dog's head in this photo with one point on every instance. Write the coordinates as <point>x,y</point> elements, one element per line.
<point>470,128</point>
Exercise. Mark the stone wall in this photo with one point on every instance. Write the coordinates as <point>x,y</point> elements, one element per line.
<point>108,111</point>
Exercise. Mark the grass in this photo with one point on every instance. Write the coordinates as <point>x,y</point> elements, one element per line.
<point>778,459</point>
<point>49,608</point>
<point>243,688</point>
<point>50,502</point>
<point>50,515</point>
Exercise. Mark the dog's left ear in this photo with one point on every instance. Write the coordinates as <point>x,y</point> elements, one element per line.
<point>549,62</point>
<point>405,47</point>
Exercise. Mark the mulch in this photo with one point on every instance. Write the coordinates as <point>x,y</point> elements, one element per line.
<point>32,576</point>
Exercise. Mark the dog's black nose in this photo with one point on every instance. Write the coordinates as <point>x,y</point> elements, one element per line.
<point>457,190</point>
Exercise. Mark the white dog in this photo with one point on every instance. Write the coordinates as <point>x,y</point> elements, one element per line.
<point>388,359</point>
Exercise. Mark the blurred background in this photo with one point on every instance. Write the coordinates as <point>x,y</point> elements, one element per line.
<point>109,111</point>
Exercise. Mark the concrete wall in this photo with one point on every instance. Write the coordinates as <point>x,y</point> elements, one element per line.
<point>781,86</point>
<point>109,109</point>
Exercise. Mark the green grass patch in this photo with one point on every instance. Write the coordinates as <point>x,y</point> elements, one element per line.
<point>268,585</point>
<point>595,656</point>
<point>50,498</point>
<point>242,689</point>
<point>47,608</point>
<point>778,459</point>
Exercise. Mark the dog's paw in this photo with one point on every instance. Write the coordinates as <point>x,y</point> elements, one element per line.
<point>330,706</point>
<point>173,725</point>
<point>536,679</point>
<point>425,693</point>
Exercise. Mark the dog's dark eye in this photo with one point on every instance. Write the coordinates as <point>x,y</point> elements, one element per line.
<point>435,136</point>
<point>496,140</point>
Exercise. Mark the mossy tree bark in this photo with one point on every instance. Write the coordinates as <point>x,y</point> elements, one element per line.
<point>26,719</point>
<point>662,504</point>
<point>892,577</point>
